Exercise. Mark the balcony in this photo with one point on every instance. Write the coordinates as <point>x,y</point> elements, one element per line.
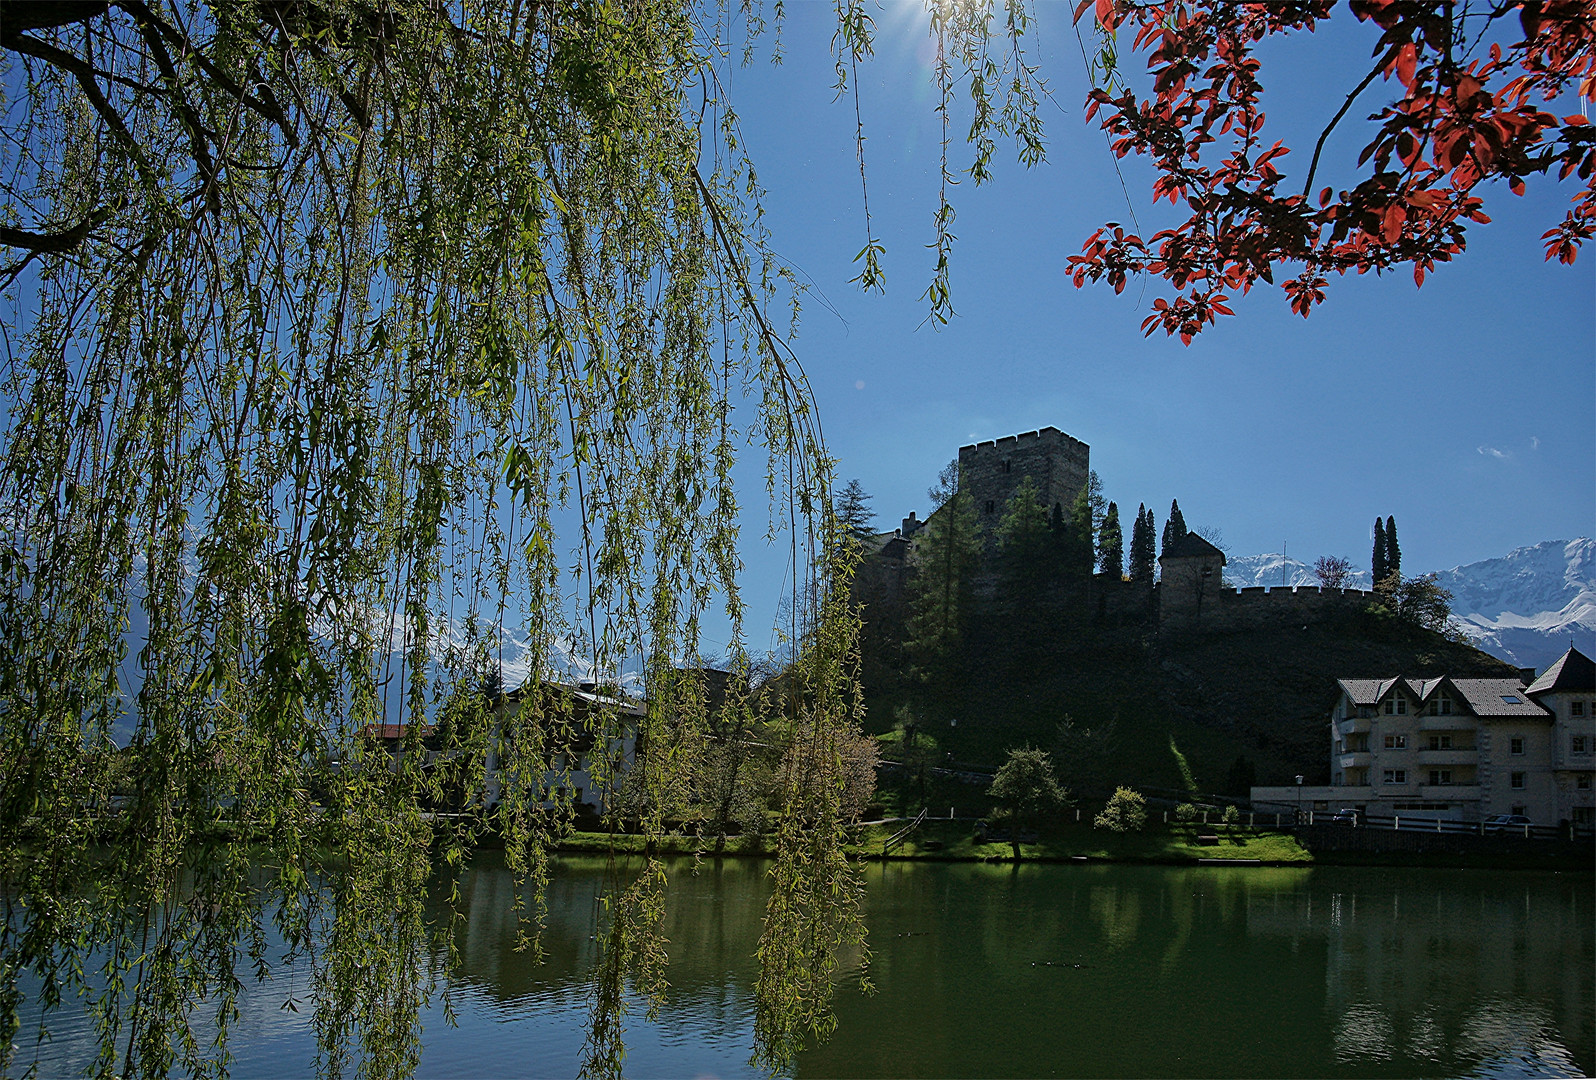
<point>1458,755</point>
<point>1449,792</point>
<point>1446,723</point>
<point>1353,725</point>
<point>1356,760</point>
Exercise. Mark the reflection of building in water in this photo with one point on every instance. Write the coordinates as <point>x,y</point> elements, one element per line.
<point>1458,976</point>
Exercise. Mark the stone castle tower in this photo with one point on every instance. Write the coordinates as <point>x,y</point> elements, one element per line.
<point>990,471</point>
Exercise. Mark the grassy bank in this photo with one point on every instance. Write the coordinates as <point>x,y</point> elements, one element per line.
<point>954,841</point>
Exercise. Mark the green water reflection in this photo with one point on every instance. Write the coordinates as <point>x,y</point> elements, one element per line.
<point>1047,970</point>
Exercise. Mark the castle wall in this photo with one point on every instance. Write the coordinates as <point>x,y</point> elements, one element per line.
<point>990,471</point>
<point>1252,608</point>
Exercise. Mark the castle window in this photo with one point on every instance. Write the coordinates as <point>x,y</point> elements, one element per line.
<point>991,507</point>
<point>1008,466</point>
<point>1578,745</point>
<point>1576,708</point>
<point>1517,781</point>
<point>1516,745</point>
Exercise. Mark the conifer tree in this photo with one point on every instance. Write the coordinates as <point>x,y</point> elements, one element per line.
<point>1142,549</point>
<point>1080,547</point>
<point>1175,528</point>
<point>1393,553</point>
<point>1023,536</point>
<point>1111,545</point>
<point>946,553</point>
<point>853,510</point>
<point>1379,567</point>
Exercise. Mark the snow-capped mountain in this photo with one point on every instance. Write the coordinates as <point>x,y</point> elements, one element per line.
<point>1273,570</point>
<point>1524,607</point>
<point>1527,606</point>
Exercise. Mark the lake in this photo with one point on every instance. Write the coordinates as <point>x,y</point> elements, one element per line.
<point>1043,970</point>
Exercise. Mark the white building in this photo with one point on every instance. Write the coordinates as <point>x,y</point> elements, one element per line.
<point>1461,749</point>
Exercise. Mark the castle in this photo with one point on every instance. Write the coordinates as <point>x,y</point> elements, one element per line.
<point>990,471</point>
<point>1190,593</point>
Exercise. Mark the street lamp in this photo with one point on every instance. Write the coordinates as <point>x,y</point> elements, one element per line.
<point>1299,798</point>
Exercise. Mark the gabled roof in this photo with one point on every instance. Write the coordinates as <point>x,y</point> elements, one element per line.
<point>1365,691</point>
<point>1497,697</point>
<point>1191,546</point>
<point>1571,671</point>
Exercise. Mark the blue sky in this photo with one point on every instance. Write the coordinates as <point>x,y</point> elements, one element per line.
<point>1463,408</point>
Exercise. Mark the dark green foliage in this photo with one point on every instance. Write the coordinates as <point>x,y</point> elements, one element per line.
<point>1143,551</point>
<point>1079,549</point>
<point>1024,540</point>
<point>1111,545</point>
<point>1175,527</point>
<point>1380,566</point>
<point>946,555</point>
<point>1025,790</point>
<point>1420,601</point>
<point>1393,551</point>
<point>1241,778</point>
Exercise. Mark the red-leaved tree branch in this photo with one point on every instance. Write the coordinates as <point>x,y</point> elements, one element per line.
<point>1463,118</point>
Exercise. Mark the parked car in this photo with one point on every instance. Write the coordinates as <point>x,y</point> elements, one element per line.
<point>1345,817</point>
<point>1507,823</point>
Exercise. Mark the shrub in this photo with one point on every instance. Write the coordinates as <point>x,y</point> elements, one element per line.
<point>1125,812</point>
<point>1232,815</point>
<point>1187,812</point>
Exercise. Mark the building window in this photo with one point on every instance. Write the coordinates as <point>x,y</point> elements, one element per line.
<point>1008,466</point>
<point>1584,815</point>
<point>1582,781</point>
<point>1358,743</point>
<point>1396,776</point>
<point>1511,699</point>
<point>1446,706</point>
<point>1519,810</point>
<point>1515,745</point>
<point>1517,781</point>
<point>1402,706</point>
<point>1390,706</point>
<point>1396,742</point>
<point>1578,745</point>
<point>1440,742</point>
<point>1576,708</point>
<point>1439,777</point>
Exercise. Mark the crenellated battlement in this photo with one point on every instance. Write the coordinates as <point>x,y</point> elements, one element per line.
<point>991,470</point>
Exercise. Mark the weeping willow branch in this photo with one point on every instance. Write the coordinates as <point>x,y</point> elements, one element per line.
<point>320,308</point>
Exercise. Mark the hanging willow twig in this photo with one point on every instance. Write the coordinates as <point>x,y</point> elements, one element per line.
<point>334,322</point>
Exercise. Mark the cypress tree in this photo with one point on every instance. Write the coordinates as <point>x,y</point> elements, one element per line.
<point>1111,545</point>
<point>1378,567</point>
<point>1393,554</point>
<point>1175,528</point>
<point>1142,549</point>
